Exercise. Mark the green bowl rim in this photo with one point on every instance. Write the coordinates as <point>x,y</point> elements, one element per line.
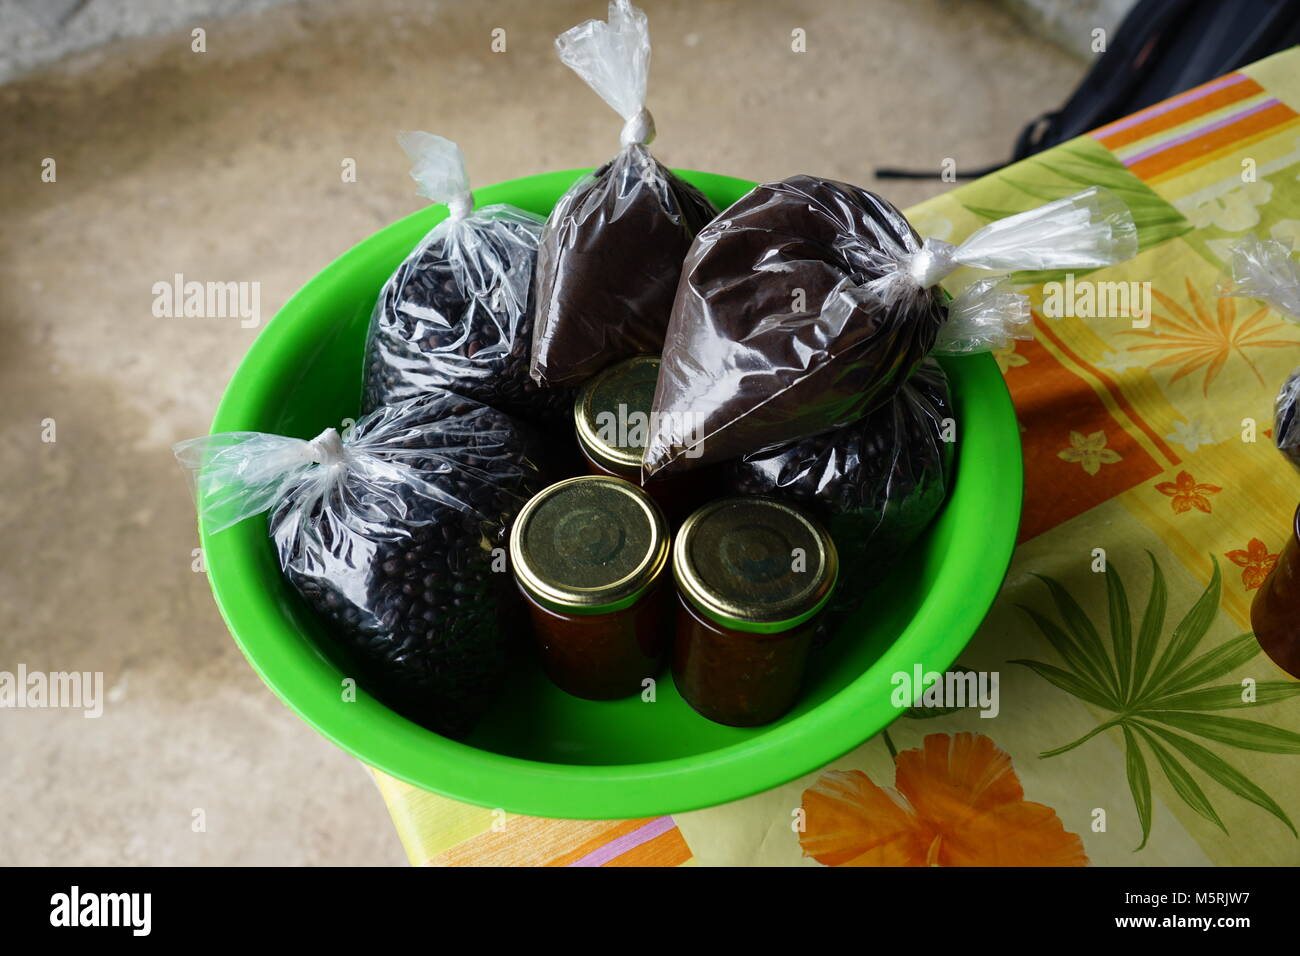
<point>768,759</point>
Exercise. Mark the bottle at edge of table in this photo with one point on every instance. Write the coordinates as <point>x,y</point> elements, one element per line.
<point>1275,612</point>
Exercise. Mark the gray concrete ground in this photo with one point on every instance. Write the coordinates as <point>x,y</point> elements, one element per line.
<point>225,165</point>
<point>1071,23</point>
<point>36,32</point>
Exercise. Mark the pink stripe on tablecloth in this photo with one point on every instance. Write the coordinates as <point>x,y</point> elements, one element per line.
<point>1201,131</point>
<point>1191,96</point>
<point>627,841</point>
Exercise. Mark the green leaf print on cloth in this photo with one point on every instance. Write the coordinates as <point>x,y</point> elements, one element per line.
<point>1157,691</point>
<point>1075,165</point>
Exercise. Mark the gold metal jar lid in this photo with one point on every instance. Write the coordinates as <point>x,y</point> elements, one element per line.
<point>589,545</point>
<point>755,564</point>
<point>612,412</point>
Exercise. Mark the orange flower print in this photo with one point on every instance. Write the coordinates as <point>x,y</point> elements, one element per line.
<point>957,802</point>
<point>1255,563</point>
<point>1090,451</point>
<point>1187,494</point>
<point>1205,338</point>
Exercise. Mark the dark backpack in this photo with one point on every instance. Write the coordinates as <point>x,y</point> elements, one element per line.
<point>1162,48</point>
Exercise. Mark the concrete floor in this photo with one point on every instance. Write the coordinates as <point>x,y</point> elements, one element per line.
<point>225,165</point>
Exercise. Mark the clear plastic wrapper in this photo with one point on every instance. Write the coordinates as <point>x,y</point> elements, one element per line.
<point>987,315</point>
<point>1265,269</point>
<point>809,302</point>
<point>876,483</point>
<point>457,314</point>
<point>388,534</point>
<point>612,249</point>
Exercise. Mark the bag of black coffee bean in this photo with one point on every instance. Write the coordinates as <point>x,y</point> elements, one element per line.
<point>457,314</point>
<point>1265,269</point>
<point>389,533</point>
<point>810,302</point>
<point>876,483</point>
<point>613,246</point>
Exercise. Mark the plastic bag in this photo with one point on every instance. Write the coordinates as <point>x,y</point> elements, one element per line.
<point>1265,269</point>
<point>387,534</point>
<point>1286,418</point>
<point>612,249</point>
<point>876,483</point>
<point>457,313</point>
<point>809,302</point>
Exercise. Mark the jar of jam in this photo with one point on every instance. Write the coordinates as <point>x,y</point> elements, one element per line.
<point>589,556</point>
<point>1275,612</point>
<point>753,575</point>
<point>611,416</point>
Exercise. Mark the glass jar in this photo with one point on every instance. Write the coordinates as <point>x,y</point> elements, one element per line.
<point>611,416</point>
<point>589,554</point>
<point>753,576</point>
<point>1275,612</point>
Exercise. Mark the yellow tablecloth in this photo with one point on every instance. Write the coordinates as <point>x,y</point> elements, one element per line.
<point>1155,505</point>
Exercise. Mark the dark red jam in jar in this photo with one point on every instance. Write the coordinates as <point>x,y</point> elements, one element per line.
<point>753,574</point>
<point>611,417</point>
<point>589,555</point>
<point>1275,612</point>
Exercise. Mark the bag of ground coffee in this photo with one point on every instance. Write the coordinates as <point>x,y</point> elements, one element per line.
<point>809,302</point>
<point>457,313</point>
<point>875,483</point>
<point>1265,269</point>
<point>388,534</point>
<point>613,246</point>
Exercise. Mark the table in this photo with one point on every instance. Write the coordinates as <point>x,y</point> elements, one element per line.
<point>1155,505</point>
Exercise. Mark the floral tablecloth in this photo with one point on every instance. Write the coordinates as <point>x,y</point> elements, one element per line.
<point>1139,723</point>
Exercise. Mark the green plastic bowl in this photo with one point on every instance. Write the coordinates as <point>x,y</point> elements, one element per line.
<point>543,752</point>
